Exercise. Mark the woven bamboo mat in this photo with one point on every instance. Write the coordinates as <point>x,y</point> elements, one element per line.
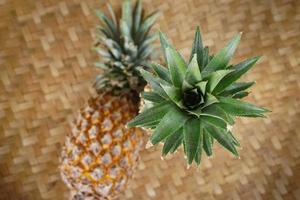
<point>46,70</point>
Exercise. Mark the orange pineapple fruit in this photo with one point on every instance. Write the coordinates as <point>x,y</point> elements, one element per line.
<point>100,153</point>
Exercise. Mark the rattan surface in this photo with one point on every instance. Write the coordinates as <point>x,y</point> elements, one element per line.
<point>46,71</point>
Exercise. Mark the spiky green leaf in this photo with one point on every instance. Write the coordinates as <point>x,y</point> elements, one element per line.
<point>154,82</point>
<point>191,132</point>
<point>239,70</point>
<point>146,25</point>
<point>240,108</point>
<point>205,59</point>
<point>137,15</point>
<point>162,72</point>
<point>104,31</point>
<point>186,86</point>
<point>199,148</point>
<point>202,86</point>
<point>192,74</point>
<point>153,97</point>
<point>178,142</point>
<point>170,123</point>
<point>112,14</point>
<point>197,47</point>
<point>174,94</point>
<point>240,95</point>
<point>176,66</point>
<point>210,99</point>
<point>151,115</point>
<point>125,29</point>
<point>164,44</point>
<point>216,111</point>
<point>101,65</point>
<point>207,143</point>
<point>236,87</point>
<point>234,140</point>
<point>172,141</point>
<point>151,125</point>
<point>222,58</point>
<point>214,121</point>
<point>127,13</point>
<point>222,137</point>
<point>214,78</point>
<point>109,24</point>
<point>103,52</point>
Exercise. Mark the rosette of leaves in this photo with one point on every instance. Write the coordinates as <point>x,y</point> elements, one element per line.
<point>193,103</point>
<point>124,43</point>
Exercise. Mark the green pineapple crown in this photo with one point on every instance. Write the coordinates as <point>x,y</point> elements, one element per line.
<point>123,46</point>
<point>195,103</point>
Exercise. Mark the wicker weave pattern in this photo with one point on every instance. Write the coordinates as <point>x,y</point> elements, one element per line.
<point>46,73</point>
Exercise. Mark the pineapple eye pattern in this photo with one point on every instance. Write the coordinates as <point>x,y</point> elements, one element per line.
<point>193,103</point>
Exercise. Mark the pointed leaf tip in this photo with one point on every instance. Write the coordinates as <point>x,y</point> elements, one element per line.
<point>222,58</point>
<point>222,137</point>
<point>197,48</point>
<point>239,70</point>
<point>192,133</point>
<point>172,142</point>
<point>163,43</point>
<point>240,108</point>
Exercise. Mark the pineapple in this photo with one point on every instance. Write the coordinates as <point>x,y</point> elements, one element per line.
<point>195,103</point>
<point>100,153</point>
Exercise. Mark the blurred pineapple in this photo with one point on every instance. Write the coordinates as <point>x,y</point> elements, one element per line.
<point>100,153</point>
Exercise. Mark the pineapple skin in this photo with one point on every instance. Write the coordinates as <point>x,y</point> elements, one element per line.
<point>100,153</point>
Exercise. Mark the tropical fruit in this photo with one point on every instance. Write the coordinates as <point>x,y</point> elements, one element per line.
<point>100,152</point>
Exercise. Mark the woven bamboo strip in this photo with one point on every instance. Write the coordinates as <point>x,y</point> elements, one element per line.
<point>46,70</point>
